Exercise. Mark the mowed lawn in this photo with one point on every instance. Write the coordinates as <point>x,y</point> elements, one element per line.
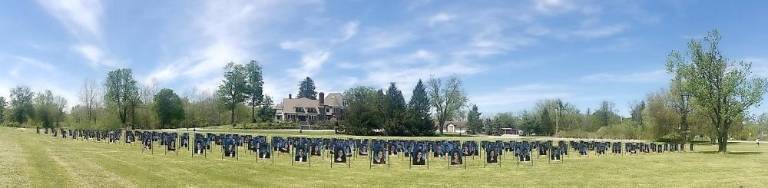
<point>31,160</point>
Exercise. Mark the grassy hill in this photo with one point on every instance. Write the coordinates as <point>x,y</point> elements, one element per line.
<point>31,160</point>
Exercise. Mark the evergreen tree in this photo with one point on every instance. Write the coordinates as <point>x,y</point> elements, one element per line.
<point>254,87</point>
<point>419,120</point>
<point>394,109</point>
<point>473,121</point>
<point>307,89</point>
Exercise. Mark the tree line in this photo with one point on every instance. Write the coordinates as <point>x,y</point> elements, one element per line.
<point>707,98</point>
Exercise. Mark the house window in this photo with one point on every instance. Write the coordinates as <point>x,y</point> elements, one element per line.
<point>327,110</point>
<point>299,109</point>
<point>312,110</point>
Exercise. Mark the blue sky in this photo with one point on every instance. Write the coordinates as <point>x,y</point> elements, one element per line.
<point>509,53</point>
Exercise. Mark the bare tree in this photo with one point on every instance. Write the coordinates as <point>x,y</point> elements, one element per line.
<point>447,99</point>
<point>89,95</point>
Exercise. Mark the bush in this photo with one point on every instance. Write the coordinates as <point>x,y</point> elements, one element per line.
<point>269,125</point>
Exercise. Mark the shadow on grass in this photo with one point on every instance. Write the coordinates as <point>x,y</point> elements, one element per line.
<point>733,152</point>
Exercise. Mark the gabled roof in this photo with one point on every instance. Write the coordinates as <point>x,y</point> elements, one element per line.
<point>334,100</point>
<point>289,105</point>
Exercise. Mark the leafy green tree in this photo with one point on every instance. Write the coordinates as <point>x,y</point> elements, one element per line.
<point>637,112</point>
<point>21,102</point>
<point>307,89</point>
<point>49,109</point>
<point>3,103</point>
<point>255,87</point>
<point>362,115</point>
<point>168,107</point>
<point>530,123</point>
<point>266,112</point>
<point>418,118</point>
<point>546,123</point>
<point>661,117</point>
<point>489,127</point>
<point>394,111</point>
<point>474,123</point>
<point>232,90</point>
<point>606,114</point>
<point>723,90</point>
<point>447,99</point>
<point>121,93</point>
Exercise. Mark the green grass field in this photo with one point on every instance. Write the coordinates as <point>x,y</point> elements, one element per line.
<point>31,160</point>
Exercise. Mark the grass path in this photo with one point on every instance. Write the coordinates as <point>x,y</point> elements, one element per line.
<point>31,160</point>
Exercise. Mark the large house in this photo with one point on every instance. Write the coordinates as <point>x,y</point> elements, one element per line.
<point>308,112</point>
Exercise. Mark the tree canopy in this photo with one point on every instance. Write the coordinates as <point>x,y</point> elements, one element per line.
<point>121,93</point>
<point>232,90</point>
<point>447,99</point>
<point>168,107</point>
<point>307,89</point>
<point>723,89</point>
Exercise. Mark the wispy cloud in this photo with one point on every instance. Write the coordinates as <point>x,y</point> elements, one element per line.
<point>228,33</point>
<point>82,19</point>
<point>637,77</point>
<point>441,17</point>
<point>517,97</point>
<point>600,31</point>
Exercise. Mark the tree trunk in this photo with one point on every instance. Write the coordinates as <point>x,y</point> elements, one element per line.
<point>441,126</point>
<point>253,114</point>
<point>723,141</point>
<point>232,118</point>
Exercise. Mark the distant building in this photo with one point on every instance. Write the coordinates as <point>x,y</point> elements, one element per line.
<point>308,112</point>
<point>455,127</point>
<point>511,132</point>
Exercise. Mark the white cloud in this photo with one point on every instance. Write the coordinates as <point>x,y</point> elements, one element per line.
<point>350,30</point>
<point>440,18</point>
<point>37,74</point>
<point>407,76</point>
<point>229,31</point>
<point>316,52</point>
<point>424,55</point>
<point>518,97</point>
<point>638,77</point>
<point>81,17</point>
<point>553,6</point>
<point>385,39</point>
<point>94,55</point>
<point>34,63</point>
<point>311,62</point>
<point>600,31</point>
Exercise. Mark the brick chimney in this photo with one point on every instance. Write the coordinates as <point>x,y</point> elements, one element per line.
<point>321,98</point>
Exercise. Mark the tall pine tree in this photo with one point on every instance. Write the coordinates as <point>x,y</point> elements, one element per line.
<point>474,122</point>
<point>307,89</point>
<point>254,87</point>
<point>418,118</point>
<point>394,108</point>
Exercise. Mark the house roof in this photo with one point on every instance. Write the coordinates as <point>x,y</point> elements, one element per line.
<point>289,105</point>
<point>458,124</point>
<point>334,100</point>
